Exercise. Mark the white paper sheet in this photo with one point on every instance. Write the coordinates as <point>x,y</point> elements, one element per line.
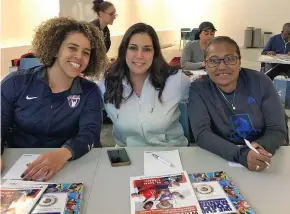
<point>233,164</point>
<point>19,167</point>
<point>153,166</point>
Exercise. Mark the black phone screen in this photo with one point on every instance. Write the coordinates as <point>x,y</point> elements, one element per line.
<point>118,156</point>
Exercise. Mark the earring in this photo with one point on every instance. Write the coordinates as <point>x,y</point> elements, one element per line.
<point>240,69</point>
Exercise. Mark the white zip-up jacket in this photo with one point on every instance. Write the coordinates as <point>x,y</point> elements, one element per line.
<point>144,121</point>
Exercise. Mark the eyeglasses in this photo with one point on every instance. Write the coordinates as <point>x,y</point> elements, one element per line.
<point>111,14</point>
<point>216,61</point>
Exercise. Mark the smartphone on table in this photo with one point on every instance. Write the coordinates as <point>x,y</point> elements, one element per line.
<point>118,157</point>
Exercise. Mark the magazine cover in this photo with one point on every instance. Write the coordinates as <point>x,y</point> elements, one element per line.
<point>74,192</point>
<point>228,186</point>
<point>51,203</point>
<point>212,198</point>
<point>74,195</point>
<point>20,199</point>
<point>171,193</point>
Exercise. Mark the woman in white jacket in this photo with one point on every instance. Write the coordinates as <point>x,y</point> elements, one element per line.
<point>142,92</point>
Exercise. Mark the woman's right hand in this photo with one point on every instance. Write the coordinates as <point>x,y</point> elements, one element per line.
<point>271,53</point>
<point>257,162</point>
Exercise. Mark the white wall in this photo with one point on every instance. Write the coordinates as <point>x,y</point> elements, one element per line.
<point>19,18</point>
<point>231,17</point>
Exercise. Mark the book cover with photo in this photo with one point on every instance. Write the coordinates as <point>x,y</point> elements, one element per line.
<point>74,195</point>
<point>212,198</point>
<point>228,186</point>
<point>172,193</point>
<point>51,203</point>
<point>74,192</point>
<point>20,199</point>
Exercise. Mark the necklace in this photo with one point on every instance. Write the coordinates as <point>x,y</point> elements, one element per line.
<point>231,104</point>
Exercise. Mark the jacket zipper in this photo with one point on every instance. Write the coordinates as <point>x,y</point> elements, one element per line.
<point>142,130</point>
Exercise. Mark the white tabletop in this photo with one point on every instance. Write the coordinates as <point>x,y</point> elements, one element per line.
<point>267,192</point>
<point>81,170</point>
<point>107,188</point>
<point>273,59</point>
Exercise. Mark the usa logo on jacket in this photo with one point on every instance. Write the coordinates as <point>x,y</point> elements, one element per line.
<point>73,100</point>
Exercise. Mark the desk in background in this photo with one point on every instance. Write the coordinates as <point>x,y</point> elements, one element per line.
<point>195,74</point>
<point>274,59</point>
<point>277,60</point>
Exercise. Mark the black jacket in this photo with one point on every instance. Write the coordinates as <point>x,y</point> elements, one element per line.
<point>106,33</point>
<point>34,117</point>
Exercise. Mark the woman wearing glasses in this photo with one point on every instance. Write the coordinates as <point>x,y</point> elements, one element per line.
<point>233,104</point>
<point>106,15</point>
<point>193,52</point>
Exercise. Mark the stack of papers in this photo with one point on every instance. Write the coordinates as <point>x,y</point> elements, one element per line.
<point>20,166</point>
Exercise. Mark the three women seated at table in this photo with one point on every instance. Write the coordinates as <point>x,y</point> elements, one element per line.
<point>50,106</point>
<point>192,57</point>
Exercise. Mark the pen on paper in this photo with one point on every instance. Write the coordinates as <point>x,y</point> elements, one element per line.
<point>254,149</point>
<point>162,160</point>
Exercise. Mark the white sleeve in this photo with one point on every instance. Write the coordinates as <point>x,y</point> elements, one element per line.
<point>185,84</point>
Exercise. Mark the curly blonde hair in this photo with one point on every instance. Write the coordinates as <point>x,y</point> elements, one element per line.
<point>50,34</point>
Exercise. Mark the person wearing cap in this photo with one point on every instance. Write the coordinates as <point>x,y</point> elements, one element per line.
<point>193,53</point>
<point>278,44</point>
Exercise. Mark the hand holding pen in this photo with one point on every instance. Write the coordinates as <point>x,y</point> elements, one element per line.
<point>258,158</point>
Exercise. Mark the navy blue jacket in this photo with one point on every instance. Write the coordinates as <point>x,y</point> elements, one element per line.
<point>259,116</point>
<point>277,44</point>
<point>34,117</point>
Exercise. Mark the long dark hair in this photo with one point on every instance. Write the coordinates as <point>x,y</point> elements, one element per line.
<point>160,70</point>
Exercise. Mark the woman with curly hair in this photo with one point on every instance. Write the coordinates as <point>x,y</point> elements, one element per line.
<point>50,106</point>
<point>142,92</point>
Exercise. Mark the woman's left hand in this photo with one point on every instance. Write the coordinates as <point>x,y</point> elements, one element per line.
<point>47,165</point>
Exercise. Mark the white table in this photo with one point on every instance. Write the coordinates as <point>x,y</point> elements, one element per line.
<point>267,192</point>
<point>195,74</point>
<point>107,188</point>
<point>80,170</point>
<point>273,59</point>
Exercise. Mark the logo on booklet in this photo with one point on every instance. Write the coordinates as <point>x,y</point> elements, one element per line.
<point>73,100</point>
<point>48,200</point>
<point>204,189</point>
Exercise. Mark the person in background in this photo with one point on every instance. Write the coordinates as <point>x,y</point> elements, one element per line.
<point>50,106</point>
<point>193,53</point>
<point>232,104</point>
<point>106,13</point>
<point>142,92</point>
<point>278,44</point>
